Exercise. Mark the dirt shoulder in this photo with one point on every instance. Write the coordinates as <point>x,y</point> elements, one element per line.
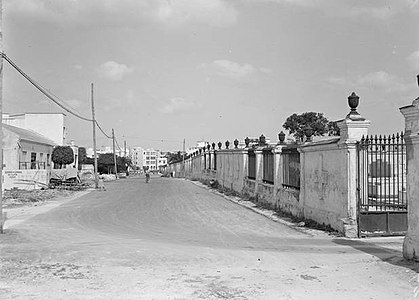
<point>21,205</point>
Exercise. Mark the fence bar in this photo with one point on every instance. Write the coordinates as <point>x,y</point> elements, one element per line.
<point>382,160</point>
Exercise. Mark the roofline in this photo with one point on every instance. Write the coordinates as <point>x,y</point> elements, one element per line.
<point>34,113</point>
<point>46,141</point>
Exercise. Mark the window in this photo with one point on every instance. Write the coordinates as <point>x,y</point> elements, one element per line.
<point>33,160</point>
<point>41,161</point>
<point>22,162</point>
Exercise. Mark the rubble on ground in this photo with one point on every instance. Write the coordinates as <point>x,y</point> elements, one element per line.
<point>15,197</point>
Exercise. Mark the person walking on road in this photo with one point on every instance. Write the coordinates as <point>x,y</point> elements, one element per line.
<point>147,176</point>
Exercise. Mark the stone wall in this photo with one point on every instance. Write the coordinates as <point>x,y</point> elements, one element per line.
<point>328,175</point>
<point>26,179</point>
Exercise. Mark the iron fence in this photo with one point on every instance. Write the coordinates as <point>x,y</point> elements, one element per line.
<point>268,166</point>
<point>205,161</point>
<point>252,164</point>
<point>209,160</point>
<point>291,168</point>
<point>382,173</point>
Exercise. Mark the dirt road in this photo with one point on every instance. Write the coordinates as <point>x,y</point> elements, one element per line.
<point>171,239</point>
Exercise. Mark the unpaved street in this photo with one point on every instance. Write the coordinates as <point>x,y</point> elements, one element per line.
<point>171,239</point>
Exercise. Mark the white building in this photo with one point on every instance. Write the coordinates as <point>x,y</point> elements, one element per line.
<point>199,145</point>
<point>50,125</point>
<point>137,156</point>
<point>147,158</point>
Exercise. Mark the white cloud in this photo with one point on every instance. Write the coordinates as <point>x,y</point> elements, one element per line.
<point>114,71</point>
<point>178,105</point>
<point>413,60</point>
<point>78,67</point>
<point>125,13</point>
<point>213,12</point>
<point>232,70</point>
<point>74,103</point>
<point>265,70</point>
<point>378,81</point>
<point>361,9</point>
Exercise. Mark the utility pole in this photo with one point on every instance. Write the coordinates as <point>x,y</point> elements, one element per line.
<point>2,217</point>
<point>183,160</point>
<point>94,137</point>
<point>114,154</point>
<point>125,148</point>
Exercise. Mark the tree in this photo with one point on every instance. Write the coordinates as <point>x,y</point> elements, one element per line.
<point>174,157</point>
<point>105,163</point>
<point>62,155</point>
<point>82,156</point>
<point>333,129</point>
<point>320,125</point>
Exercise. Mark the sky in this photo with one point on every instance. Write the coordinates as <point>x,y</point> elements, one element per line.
<point>214,70</point>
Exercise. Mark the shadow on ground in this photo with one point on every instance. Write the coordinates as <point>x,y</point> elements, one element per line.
<point>386,254</point>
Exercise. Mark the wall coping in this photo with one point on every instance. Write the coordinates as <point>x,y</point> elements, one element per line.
<point>234,151</point>
<point>331,140</point>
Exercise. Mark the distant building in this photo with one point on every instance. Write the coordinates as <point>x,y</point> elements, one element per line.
<point>199,145</point>
<point>147,158</point>
<point>137,157</point>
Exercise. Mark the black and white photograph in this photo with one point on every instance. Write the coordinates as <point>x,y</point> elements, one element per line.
<point>209,149</point>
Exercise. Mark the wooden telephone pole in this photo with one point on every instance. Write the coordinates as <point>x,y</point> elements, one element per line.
<point>2,217</point>
<point>114,154</point>
<point>183,159</point>
<point>94,137</point>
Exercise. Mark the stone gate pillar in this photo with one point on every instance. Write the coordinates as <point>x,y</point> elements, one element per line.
<point>411,241</point>
<point>352,129</point>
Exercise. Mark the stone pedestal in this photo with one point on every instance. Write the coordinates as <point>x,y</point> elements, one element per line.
<point>411,241</point>
<point>352,129</point>
<point>259,165</point>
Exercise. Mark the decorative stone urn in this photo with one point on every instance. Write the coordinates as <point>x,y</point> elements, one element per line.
<point>236,143</point>
<point>281,137</point>
<point>246,142</point>
<point>262,140</point>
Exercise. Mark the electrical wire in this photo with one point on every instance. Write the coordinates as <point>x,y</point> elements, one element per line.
<point>118,145</point>
<point>48,94</point>
<point>100,128</point>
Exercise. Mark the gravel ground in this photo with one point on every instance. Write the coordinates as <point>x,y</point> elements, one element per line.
<point>18,198</point>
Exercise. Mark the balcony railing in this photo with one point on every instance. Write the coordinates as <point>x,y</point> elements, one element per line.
<point>32,165</point>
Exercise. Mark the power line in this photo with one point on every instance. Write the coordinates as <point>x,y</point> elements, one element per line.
<point>48,94</point>
<point>118,145</point>
<point>100,128</point>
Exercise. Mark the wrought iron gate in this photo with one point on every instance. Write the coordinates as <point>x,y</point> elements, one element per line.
<point>382,199</point>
